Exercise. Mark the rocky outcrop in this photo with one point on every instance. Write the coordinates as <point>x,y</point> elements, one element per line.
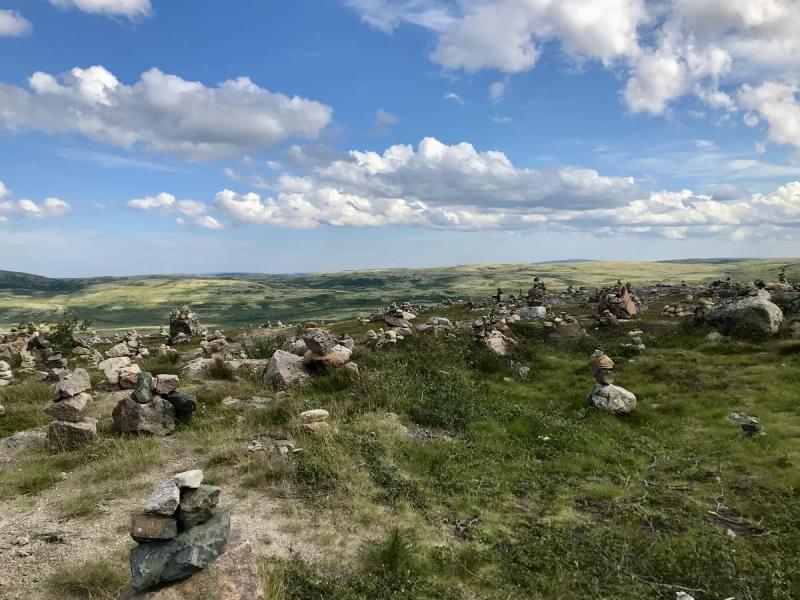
<point>183,321</point>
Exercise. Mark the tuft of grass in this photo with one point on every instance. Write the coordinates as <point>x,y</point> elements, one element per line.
<point>23,403</point>
<point>220,370</point>
<point>97,579</point>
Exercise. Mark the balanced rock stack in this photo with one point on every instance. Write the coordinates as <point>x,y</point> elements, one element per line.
<point>180,532</point>
<point>606,395</point>
<point>6,376</point>
<point>537,294</point>
<point>154,407</point>
<point>129,345</point>
<point>120,373</point>
<point>70,427</point>
<point>315,420</point>
<point>564,327</point>
<point>398,318</point>
<point>183,324</point>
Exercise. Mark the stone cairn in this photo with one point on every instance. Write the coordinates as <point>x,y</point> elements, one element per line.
<point>606,395</point>
<point>538,294</point>
<point>183,324</point>
<point>494,331</point>
<point>70,427</point>
<point>564,327</point>
<point>688,308</point>
<point>397,320</point>
<point>315,349</point>
<point>154,407</point>
<point>129,345</point>
<point>180,532</point>
<point>618,299</point>
<point>214,345</point>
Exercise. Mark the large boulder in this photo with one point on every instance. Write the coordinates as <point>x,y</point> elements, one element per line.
<point>437,325</point>
<point>191,551</point>
<point>612,398</point>
<point>749,317</point>
<point>155,418</point>
<point>118,351</point>
<point>286,370</point>
<point>338,356</point>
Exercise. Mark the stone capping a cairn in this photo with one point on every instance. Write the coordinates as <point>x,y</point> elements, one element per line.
<point>180,531</point>
<point>154,407</point>
<point>70,427</point>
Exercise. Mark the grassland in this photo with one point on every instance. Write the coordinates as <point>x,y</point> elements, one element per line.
<point>447,477</point>
<point>240,299</point>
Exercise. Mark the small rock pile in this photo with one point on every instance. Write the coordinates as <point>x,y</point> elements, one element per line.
<point>494,331</point>
<point>315,420</point>
<point>6,376</point>
<point>315,349</point>
<point>636,341</point>
<point>120,373</point>
<point>214,346</point>
<point>606,395</point>
<point>181,531</point>
<point>751,427</point>
<point>688,308</point>
<point>564,327</point>
<point>154,407</point>
<point>437,326</point>
<point>398,318</point>
<point>183,324</point>
<point>619,300</point>
<point>129,346</point>
<point>538,294</point>
<point>70,427</point>
<point>380,338</point>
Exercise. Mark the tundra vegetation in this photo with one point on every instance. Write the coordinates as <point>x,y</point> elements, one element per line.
<point>445,474</point>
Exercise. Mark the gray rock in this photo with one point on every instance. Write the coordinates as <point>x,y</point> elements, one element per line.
<point>189,479</point>
<point>66,434</point>
<point>612,398</point>
<point>751,317</point>
<point>156,418</point>
<point>297,347</point>
<point>318,341</point>
<point>191,551</point>
<point>114,364</point>
<point>286,370</point>
<point>197,505</point>
<point>164,500</point>
<point>73,383</point>
<point>118,351</point>
<point>166,384</point>
<point>183,404</point>
<point>143,392</point>
<point>314,415</point>
<point>69,409</point>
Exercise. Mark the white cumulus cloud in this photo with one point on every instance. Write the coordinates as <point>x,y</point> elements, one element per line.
<point>13,24</point>
<point>162,112</point>
<point>49,207</point>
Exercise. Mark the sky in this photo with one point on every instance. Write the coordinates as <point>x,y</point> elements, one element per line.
<point>165,136</point>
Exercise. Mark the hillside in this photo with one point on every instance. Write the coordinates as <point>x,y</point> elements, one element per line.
<point>248,299</point>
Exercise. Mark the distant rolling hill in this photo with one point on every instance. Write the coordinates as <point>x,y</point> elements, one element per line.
<point>227,300</point>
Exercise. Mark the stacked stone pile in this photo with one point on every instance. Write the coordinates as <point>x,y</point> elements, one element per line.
<point>181,531</point>
<point>565,327</point>
<point>183,324</point>
<point>315,420</point>
<point>70,426</point>
<point>605,395</point>
<point>688,308</point>
<point>316,348</point>
<point>618,299</point>
<point>437,326</point>
<point>495,332</point>
<point>6,376</point>
<point>120,373</point>
<point>215,346</point>
<point>538,294</point>
<point>154,407</point>
<point>129,345</point>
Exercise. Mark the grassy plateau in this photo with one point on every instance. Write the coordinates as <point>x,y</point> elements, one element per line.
<point>445,475</point>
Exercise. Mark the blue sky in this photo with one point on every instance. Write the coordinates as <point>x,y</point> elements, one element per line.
<point>146,136</point>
